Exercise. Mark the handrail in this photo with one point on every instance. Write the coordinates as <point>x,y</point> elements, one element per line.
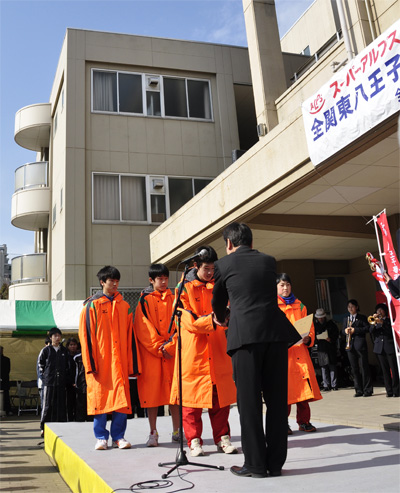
<point>27,177</point>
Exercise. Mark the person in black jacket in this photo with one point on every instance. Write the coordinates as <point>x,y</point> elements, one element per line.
<point>355,328</point>
<point>258,339</point>
<point>55,365</point>
<point>326,335</point>
<point>382,335</point>
<point>5,381</point>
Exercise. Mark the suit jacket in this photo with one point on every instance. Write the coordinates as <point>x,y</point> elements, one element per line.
<point>247,278</point>
<point>382,336</point>
<point>361,328</point>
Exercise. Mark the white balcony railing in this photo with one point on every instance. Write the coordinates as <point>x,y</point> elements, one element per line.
<point>31,175</point>
<point>29,268</point>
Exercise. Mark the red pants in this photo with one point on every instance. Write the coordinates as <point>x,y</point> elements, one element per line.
<point>303,413</point>
<point>193,424</point>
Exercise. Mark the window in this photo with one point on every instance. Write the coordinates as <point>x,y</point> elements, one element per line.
<point>141,199</point>
<point>181,190</point>
<point>199,99</point>
<point>151,95</point>
<point>175,97</point>
<point>306,51</point>
<point>104,91</point>
<point>130,93</point>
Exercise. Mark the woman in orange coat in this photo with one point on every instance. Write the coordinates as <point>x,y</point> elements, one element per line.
<point>152,319</point>
<point>302,383</point>
<point>207,375</point>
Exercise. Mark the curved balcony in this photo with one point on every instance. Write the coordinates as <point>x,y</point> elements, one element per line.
<point>32,126</point>
<point>30,204</point>
<point>29,277</point>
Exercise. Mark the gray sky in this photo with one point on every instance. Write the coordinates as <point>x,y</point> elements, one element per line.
<point>31,36</point>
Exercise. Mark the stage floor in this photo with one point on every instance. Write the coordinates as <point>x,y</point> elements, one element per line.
<point>335,459</point>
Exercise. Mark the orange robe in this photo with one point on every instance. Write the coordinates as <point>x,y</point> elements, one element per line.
<point>204,359</point>
<point>152,318</point>
<point>108,353</point>
<point>302,382</point>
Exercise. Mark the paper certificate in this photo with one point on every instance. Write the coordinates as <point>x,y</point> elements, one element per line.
<point>303,326</point>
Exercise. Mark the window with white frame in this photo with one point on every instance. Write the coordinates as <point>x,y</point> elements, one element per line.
<point>127,198</point>
<point>151,95</point>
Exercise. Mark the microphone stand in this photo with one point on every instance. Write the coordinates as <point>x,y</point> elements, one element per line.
<point>181,459</point>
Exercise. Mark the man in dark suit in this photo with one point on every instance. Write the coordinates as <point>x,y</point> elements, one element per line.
<point>258,339</point>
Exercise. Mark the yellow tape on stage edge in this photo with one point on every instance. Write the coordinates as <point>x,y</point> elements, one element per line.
<point>74,470</point>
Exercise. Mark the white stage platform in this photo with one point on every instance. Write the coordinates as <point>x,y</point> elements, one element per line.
<point>335,459</point>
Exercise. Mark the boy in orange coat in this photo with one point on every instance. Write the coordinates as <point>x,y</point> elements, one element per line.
<point>302,382</point>
<point>109,357</point>
<point>157,353</point>
<point>207,380</point>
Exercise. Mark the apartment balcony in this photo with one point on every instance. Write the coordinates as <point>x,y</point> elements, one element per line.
<point>30,203</point>
<point>32,126</point>
<point>29,277</point>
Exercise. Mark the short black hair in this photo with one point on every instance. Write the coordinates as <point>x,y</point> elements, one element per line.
<point>108,272</point>
<point>156,270</point>
<point>54,330</point>
<point>72,339</point>
<point>206,258</point>
<point>354,302</point>
<point>238,233</point>
<point>283,277</point>
<point>383,307</point>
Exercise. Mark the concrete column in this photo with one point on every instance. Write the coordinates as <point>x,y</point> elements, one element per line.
<point>266,60</point>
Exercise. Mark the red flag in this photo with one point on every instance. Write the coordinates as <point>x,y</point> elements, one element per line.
<point>391,260</point>
<point>393,269</point>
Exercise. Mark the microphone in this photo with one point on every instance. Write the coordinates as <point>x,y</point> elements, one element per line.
<point>197,255</point>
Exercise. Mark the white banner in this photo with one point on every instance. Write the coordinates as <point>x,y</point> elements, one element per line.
<point>356,99</point>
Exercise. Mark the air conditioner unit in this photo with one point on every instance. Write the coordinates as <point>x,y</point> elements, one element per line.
<point>261,129</point>
<point>158,183</point>
<point>153,82</point>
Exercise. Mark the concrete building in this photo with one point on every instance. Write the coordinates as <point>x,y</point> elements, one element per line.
<point>134,157</point>
<point>5,266</point>
<point>135,127</point>
<point>311,216</point>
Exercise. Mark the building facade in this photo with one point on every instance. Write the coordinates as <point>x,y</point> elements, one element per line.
<point>135,127</point>
<point>148,147</point>
<point>313,218</point>
<point>5,266</point>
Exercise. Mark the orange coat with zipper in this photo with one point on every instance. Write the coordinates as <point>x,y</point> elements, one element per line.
<point>108,353</point>
<point>152,318</point>
<point>302,382</point>
<point>204,359</point>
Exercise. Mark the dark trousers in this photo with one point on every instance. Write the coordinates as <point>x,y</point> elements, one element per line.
<point>388,363</point>
<point>362,382</point>
<point>261,370</point>
<point>54,408</point>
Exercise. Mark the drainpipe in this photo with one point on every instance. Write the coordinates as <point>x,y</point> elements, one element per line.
<point>345,30</point>
<point>371,25</point>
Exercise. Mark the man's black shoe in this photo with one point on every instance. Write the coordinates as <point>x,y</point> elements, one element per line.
<point>358,394</point>
<point>245,473</point>
<point>367,394</point>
